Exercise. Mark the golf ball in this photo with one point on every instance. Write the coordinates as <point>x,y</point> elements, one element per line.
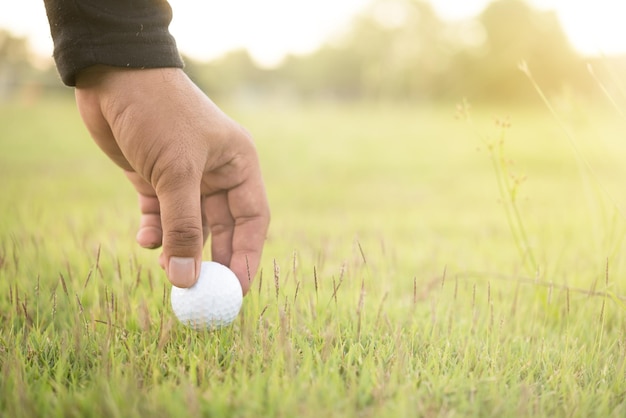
<point>213,302</point>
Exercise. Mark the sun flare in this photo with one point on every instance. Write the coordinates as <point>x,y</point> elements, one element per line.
<point>273,28</point>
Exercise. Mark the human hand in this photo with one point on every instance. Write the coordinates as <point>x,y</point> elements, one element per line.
<point>195,169</point>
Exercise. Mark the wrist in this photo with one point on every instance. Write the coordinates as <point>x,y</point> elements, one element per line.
<point>101,75</point>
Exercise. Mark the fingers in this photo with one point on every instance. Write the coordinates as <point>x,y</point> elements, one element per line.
<point>221,224</point>
<point>248,240</point>
<point>238,220</point>
<point>181,221</point>
<point>150,234</point>
<point>158,123</point>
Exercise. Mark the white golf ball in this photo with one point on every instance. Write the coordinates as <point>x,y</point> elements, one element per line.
<point>213,302</point>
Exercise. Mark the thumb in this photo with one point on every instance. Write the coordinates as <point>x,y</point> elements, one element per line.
<point>181,220</point>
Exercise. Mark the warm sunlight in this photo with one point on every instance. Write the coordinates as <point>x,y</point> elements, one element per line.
<point>446,181</point>
<point>272,28</point>
<point>594,27</point>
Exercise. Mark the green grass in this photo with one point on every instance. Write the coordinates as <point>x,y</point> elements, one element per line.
<point>391,283</point>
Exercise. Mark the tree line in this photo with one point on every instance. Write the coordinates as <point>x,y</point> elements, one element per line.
<point>394,50</point>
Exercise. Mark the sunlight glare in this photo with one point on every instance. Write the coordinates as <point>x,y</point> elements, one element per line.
<point>273,28</point>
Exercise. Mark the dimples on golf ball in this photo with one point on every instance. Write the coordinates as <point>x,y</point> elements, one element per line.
<point>213,302</point>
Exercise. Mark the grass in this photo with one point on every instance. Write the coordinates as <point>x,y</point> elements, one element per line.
<point>391,283</point>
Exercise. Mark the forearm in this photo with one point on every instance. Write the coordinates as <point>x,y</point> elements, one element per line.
<point>119,33</point>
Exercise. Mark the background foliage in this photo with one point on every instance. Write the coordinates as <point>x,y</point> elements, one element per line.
<point>395,50</point>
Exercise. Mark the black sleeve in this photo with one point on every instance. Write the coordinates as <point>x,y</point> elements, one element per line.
<point>120,33</point>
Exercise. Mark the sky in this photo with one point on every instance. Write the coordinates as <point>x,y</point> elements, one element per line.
<point>270,29</point>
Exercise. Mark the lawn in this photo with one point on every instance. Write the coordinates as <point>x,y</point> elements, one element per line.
<point>393,283</point>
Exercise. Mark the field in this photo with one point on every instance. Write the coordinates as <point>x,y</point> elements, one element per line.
<point>398,279</point>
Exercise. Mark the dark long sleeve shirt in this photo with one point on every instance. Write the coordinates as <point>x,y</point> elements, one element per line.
<point>119,33</point>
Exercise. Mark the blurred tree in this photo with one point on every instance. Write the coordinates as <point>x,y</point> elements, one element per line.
<point>23,75</point>
<point>514,33</point>
<point>235,73</point>
<point>329,72</point>
<point>13,50</point>
<point>402,48</point>
<point>394,49</point>
<point>14,62</point>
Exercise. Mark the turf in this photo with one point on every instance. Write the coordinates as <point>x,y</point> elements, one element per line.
<point>392,282</point>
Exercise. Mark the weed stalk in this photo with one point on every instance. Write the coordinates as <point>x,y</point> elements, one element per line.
<point>508,185</point>
<point>570,137</point>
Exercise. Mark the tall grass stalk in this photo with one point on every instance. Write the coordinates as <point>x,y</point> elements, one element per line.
<point>604,90</point>
<point>508,185</point>
<point>583,162</point>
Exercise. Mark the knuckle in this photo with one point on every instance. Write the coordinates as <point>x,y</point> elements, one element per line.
<point>185,234</point>
<point>221,228</point>
<point>172,173</point>
<point>246,136</point>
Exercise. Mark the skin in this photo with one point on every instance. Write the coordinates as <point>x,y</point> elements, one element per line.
<point>196,171</point>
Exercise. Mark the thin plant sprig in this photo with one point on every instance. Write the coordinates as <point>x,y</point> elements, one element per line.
<point>508,184</point>
<point>583,162</point>
<point>605,90</point>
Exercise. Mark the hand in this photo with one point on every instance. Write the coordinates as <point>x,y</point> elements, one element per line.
<point>196,170</point>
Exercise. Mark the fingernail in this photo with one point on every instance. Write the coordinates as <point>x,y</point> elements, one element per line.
<point>182,271</point>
